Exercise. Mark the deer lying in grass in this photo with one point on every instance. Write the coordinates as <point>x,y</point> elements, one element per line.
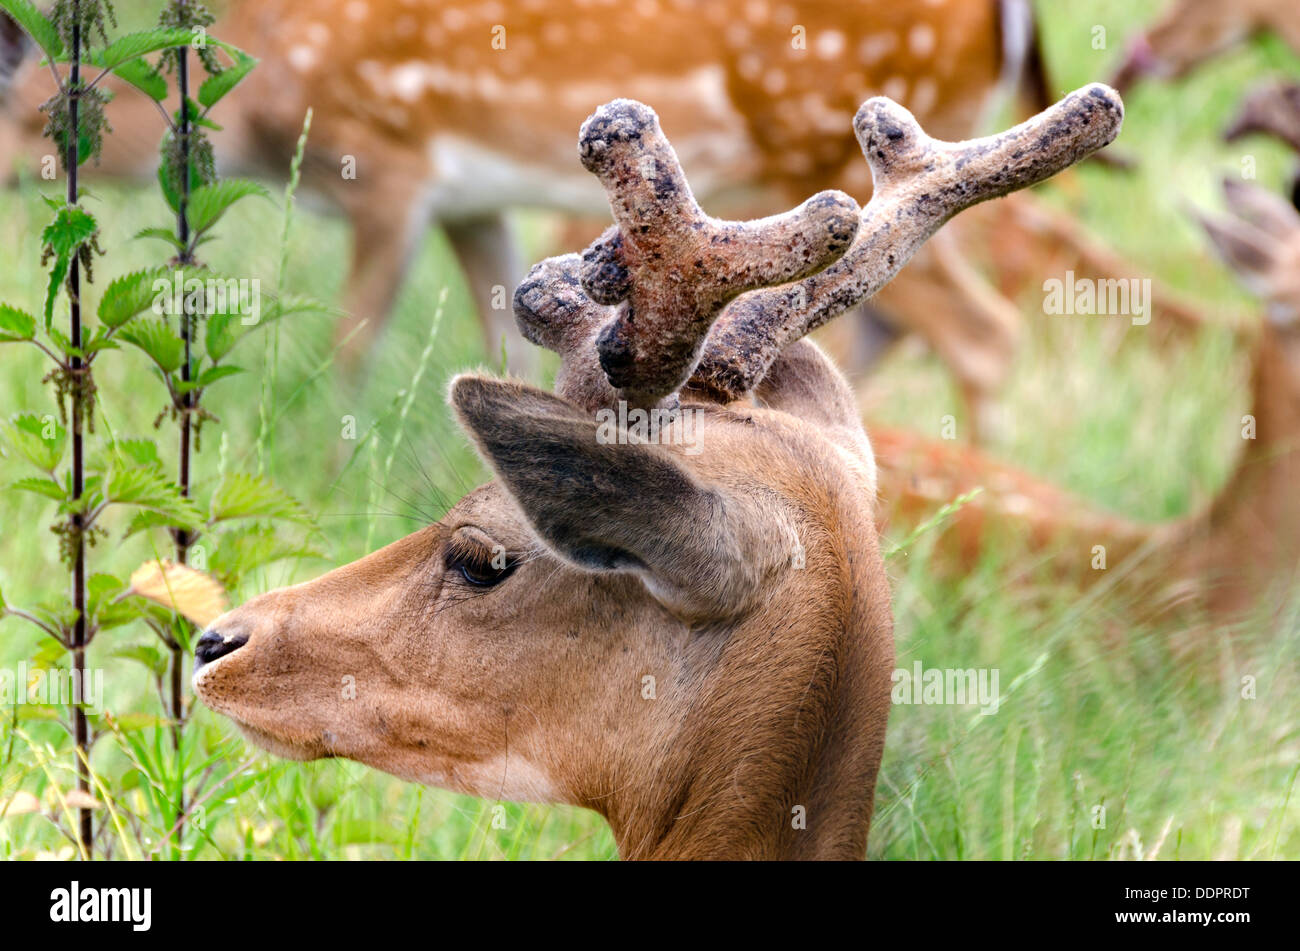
<point>688,632</point>
<point>1228,559</point>
<point>1271,109</point>
<point>1189,32</point>
<point>416,95</point>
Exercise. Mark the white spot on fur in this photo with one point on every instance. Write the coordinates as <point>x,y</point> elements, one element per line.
<point>921,39</point>
<point>302,57</point>
<point>829,44</point>
<point>873,49</point>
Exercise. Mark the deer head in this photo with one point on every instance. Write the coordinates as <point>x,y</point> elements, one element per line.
<point>1192,31</point>
<point>668,605</point>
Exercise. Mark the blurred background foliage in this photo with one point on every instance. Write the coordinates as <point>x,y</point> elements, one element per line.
<point>1183,767</point>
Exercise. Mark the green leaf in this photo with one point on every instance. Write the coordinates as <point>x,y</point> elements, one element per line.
<point>28,434</point>
<point>239,551</point>
<point>209,202</point>
<point>159,341</point>
<point>212,374</point>
<point>46,487</point>
<point>16,324</point>
<point>248,496</point>
<point>140,74</point>
<point>215,87</point>
<point>143,452</point>
<point>146,654</point>
<point>135,721</point>
<point>35,25</point>
<point>131,294</point>
<point>163,234</point>
<point>134,45</point>
<point>221,336</point>
<point>149,489</point>
<point>71,227</point>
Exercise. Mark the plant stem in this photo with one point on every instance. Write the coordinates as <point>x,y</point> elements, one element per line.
<point>81,728</point>
<point>183,539</point>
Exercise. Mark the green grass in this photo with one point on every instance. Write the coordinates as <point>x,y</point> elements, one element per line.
<point>1094,713</point>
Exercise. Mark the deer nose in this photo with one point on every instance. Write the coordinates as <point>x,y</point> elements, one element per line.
<point>214,644</point>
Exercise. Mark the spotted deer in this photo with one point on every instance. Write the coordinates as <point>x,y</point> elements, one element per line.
<point>690,636</point>
<point>1189,32</point>
<point>1240,553</point>
<point>455,111</point>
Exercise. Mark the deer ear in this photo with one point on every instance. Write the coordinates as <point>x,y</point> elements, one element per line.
<point>607,506</point>
<point>1244,248</point>
<point>13,47</point>
<point>1259,207</point>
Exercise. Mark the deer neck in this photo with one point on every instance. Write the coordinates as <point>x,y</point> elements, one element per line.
<point>1253,529</point>
<point>772,756</point>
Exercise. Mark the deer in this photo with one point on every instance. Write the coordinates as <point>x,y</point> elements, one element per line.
<point>687,631</point>
<point>1189,32</point>
<point>1235,555</point>
<point>758,94</point>
<point>1272,109</point>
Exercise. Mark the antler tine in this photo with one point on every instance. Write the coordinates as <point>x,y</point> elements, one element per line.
<point>919,183</point>
<point>553,312</point>
<point>671,267</point>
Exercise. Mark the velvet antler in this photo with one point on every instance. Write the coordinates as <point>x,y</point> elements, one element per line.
<point>919,183</point>
<point>671,267</point>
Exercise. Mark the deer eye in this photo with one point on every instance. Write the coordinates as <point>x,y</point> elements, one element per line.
<point>480,567</point>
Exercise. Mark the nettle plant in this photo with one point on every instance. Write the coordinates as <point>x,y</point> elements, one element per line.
<point>185,320</point>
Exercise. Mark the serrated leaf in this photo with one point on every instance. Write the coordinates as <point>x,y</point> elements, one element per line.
<point>140,74</point>
<point>143,452</point>
<point>72,226</point>
<point>16,324</point>
<point>35,25</point>
<point>144,520</point>
<point>246,549</point>
<point>27,432</point>
<point>149,489</point>
<point>158,340</point>
<point>193,594</point>
<point>247,496</point>
<point>215,87</point>
<point>209,376</point>
<point>134,45</point>
<point>162,234</point>
<point>221,335</point>
<point>131,294</point>
<point>46,487</point>
<point>209,202</point>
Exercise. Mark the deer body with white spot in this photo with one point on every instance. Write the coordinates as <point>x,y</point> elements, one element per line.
<point>455,111</point>
<point>691,637</point>
<point>1241,553</point>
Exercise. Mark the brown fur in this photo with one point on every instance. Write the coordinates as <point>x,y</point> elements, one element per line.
<point>740,569</point>
<point>1235,555</point>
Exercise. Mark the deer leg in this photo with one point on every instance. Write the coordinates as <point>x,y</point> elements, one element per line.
<point>489,256</point>
<point>972,328</point>
<point>386,228</point>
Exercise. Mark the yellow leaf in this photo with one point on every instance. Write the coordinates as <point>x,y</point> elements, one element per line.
<point>20,803</point>
<point>192,594</point>
<point>76,799</point>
